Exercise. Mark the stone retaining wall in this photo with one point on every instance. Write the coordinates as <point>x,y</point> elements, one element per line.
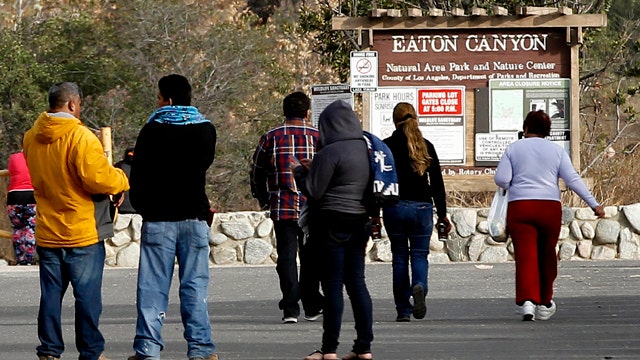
<point>248,238</point>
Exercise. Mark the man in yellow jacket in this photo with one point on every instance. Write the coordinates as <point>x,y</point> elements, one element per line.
<point>72,181</point>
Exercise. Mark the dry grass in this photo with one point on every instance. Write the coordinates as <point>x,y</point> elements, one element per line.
<point>613,182</point>
<point>615,179</point>
<point>460,199</point>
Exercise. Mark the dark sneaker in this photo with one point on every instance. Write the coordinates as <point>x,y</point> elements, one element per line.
<point>403,318</point>
<point>135,357</point>
<point>313,317</point>
<point>289,320</point>
<point>419,304</point>
<point>47,357</point>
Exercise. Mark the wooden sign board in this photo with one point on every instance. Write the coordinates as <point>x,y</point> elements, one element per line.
<point>421,57</point>
<point>469,58</point>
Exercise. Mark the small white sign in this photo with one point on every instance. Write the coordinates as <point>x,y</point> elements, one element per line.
<point>324,94</point>
<point>364,71</point>
<point>490,147</point>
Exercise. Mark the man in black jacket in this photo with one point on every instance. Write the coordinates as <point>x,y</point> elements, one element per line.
<point>172,154</point>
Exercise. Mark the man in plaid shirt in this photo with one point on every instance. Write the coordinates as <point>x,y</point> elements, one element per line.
<point>273,184</point>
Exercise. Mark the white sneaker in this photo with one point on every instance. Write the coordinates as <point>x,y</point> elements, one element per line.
<point>528,311</point>
<point>545,313</point>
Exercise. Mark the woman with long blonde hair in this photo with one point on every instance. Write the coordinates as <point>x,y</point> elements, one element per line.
<point>410,223</point>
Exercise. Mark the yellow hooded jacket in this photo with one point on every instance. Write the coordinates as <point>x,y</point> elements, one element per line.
<point>72,179</point>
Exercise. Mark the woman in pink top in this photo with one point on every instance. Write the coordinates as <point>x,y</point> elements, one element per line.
<point>21,206</point>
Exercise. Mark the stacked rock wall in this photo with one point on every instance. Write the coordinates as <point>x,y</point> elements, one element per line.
<point>248,238</point>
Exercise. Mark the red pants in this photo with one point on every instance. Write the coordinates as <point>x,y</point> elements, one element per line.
<point>534,226</point>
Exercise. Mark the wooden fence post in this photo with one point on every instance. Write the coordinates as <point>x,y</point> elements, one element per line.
<point>105,139</point>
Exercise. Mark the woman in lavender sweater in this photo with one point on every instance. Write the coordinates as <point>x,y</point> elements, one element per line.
<point>530,169</point>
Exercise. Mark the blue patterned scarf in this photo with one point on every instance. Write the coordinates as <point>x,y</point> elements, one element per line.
<point>177,115</point>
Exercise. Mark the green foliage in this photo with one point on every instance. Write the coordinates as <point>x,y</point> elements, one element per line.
<point>21,96</point>
<point>627,9</point>
<point>237,78</point>
<point>618,99</point>
<point>240,72</point>
<point>40,51</point>
<point>335,46</point>
<point>80,49</point>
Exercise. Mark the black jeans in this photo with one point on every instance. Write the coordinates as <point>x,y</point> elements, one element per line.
<point>343,240</point>
<point>289,238</point>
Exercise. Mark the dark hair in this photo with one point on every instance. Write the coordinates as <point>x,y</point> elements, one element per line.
<point>537,122</point>
<point>175,87</point>
<point>296,105</point>
<point>62,93</point>
<point>128,155</point>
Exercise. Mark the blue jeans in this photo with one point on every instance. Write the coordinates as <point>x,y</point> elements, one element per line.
<point>289,238</point>
<point>342,239</point>
<point>161,242</point>
<point>409,225</point>
<point>82,268</point>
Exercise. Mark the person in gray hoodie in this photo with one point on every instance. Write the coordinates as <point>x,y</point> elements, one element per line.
<point>336,184</point>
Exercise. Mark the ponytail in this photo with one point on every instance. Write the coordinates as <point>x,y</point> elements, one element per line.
<point>405,119</point>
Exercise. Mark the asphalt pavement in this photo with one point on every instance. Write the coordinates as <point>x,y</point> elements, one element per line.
<point>471,315</point>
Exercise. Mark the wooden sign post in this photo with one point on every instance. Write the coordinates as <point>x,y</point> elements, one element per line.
<point>105,139</point>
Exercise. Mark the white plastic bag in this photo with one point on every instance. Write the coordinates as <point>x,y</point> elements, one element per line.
<point>497,218</point>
